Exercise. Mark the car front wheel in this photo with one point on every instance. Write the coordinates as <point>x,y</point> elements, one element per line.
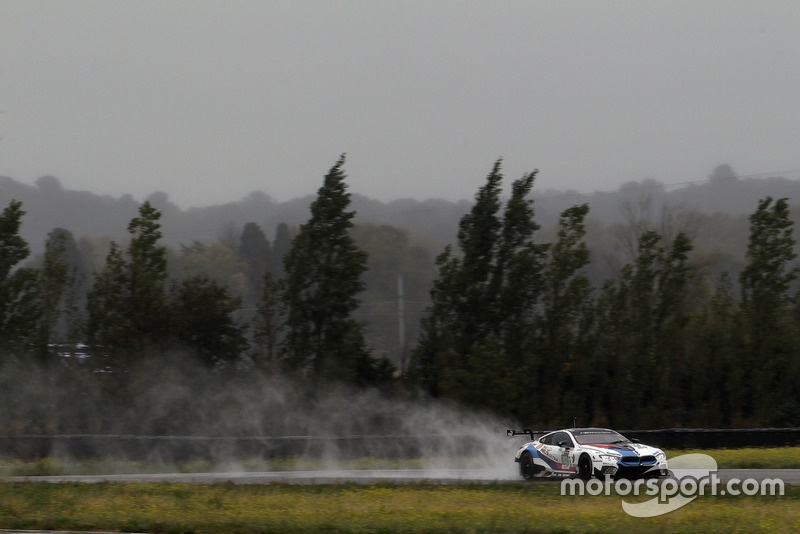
<point>585,467</point>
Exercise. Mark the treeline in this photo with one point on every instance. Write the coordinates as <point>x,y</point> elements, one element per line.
<point>137,324</point>
<point>515,325</point>
<point>301,320</point>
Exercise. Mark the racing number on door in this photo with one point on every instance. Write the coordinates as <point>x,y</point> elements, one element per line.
<point>565,458</point>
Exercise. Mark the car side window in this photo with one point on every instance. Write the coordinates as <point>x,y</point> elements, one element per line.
<point>562,436</point>
<point>547,440</point>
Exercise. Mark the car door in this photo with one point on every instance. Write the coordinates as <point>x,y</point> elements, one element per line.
<point>565,452</point>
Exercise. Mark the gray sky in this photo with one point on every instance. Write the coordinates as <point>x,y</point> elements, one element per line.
<point>208,101</point>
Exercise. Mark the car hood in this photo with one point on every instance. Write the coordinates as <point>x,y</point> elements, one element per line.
<point>626,449</point>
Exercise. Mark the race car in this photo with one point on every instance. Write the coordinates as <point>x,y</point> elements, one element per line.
<point>587,452</point>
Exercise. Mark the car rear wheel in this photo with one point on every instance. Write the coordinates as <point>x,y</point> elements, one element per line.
<point>526,467</point>
<point>585,467</point>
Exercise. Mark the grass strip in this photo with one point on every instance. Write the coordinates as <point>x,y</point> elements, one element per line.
<point>750,458</point>
<point>386,508</point>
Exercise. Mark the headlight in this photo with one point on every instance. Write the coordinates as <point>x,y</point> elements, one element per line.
<point>660,456</point>
<point>609,457</point>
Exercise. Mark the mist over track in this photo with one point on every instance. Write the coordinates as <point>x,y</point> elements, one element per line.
<point>458,442</point>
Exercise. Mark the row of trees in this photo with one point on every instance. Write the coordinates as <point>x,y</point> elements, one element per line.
<point>515,326</point>
<point>135,311</point>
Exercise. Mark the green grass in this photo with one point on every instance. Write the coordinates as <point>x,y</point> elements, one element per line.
<point>513,507</point>
<point>385,508</point>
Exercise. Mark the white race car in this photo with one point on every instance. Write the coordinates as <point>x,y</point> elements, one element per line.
<point>587,452</point>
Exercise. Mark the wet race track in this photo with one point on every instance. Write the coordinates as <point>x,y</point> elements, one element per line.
<point>364,476</point>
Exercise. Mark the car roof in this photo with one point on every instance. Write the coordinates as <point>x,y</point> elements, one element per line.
<point>579,431</point>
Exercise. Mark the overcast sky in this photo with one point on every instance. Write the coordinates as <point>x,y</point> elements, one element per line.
<point>209,101</point>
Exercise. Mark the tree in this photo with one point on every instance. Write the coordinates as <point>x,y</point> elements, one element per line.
<point>722,174</point>
<point>267,326</point>
<point>13,248</point>
<point>518,279</point>
<point>518,266</point>
<point>716,379</point>
<point>434,356</point>
<point>566,288</point>
<point>218,261</point>
<point>323,273</point>
<point>463,297</point>
<point>765,282</point>
<point>19,286</point>
<point>672,312</point>
<point>283,243</point>
<point>202,320</point>
<point>565,303</point>
<point>478,234</point>
<point>256,253</point>
<point>58,279</point>
<point>127,304</point>
<point>641,331</point>
<point>477,333</point>
<point>766,279</point>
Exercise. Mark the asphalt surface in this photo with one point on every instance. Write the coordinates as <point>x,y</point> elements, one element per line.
<point>364,476</point>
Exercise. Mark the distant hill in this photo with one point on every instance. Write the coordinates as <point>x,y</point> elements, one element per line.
<point>49,205</point>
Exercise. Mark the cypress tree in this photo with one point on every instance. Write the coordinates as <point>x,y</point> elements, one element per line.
<point>256,253</point>
<point>323,278</point>
<point>770,339</point>
<point>267,326</point>
<point>474,340</point>
<point>565,301</point>
<point>463,298</point>
<point>19,287</point>
<point>127,304</point>
<point>56,279</point>
<point>13,248</point>
<point>282,244</point>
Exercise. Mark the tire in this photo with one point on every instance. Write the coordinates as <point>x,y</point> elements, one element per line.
<point>585,469</point>
<point>527,469</point>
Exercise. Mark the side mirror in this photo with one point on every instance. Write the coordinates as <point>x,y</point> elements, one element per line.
<point>634,440</point>
<point>563,444</point>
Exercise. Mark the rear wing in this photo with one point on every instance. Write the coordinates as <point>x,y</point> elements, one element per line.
<point>526,432</point>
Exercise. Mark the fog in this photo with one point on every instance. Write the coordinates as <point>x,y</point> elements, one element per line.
<point>167,413</point>
<point>208,101</point>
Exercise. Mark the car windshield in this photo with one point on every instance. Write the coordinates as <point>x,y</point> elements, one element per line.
<point>602,437</point>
